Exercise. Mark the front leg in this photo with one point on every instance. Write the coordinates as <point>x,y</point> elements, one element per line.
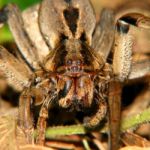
<point>93,121</point>
<point>42,121</point>
<point>41,124</point>
<point>26,115</point>
<point>43,115</point>
<point>100,98</point>
<point>114,102</point>
<point>121,69</point>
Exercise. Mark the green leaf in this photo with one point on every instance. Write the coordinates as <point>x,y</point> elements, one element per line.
<point>23,4</point>
<point>5,35</point>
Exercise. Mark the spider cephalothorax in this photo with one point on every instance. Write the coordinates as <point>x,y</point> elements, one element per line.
<point>75,68</point>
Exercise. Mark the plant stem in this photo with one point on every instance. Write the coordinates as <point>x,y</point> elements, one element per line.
<point>127,123</point>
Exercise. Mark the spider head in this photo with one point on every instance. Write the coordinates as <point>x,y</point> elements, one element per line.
<point>75,66</point>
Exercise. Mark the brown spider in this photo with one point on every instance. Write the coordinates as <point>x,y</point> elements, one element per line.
<point>62,60</point>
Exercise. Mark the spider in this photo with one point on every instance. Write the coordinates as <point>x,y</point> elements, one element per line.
<point>62,60</point>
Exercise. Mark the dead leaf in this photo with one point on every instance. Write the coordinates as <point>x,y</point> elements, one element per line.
<point>131,139</point>
<point>11,136</point>
<point>134,148</point>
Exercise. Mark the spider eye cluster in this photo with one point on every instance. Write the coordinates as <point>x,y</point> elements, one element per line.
<point>73,62</point>
<point>74,65</point>
<point>69,62</point>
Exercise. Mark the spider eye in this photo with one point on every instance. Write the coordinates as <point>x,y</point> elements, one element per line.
<point>78,62</point>
<point>69,62</point>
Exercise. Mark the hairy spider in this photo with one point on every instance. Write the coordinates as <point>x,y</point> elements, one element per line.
<point>62,60</point>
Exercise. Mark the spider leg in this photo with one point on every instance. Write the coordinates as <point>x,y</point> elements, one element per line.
<point>114,103</point>
<point>122,58</point>
<point>31,24</point>
<point>93,121</point>
<point>139,69</point>
<point>103,37</point>
<point>13,17</point>
<point>42,120</point>
<point>41,124</point>
<point>25,121</point>
<point>121,69</point>
<point>100,97</point>
<point>18,74</point>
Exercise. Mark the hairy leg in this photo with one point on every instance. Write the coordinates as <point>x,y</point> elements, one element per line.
<point>12,15</point>
<point>18,74</point>
<point>121,69</point>
<point>104,34</point>
<point>93,121</point>
<point>41,124</point>
<point>42,119</point>
<point>139,69</point>
<point>114,103</point>
<point>26,121</point>
<point>122,57</point>
<point>100,97</point>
